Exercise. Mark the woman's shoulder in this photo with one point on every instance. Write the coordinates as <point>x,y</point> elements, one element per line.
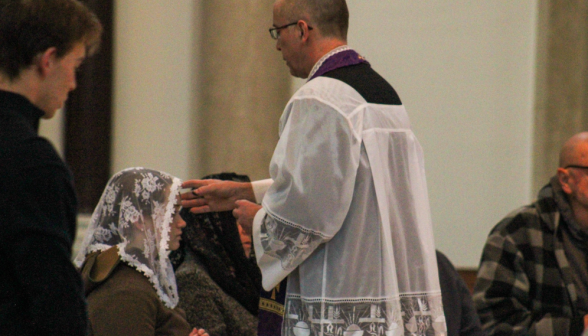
<point>128,277</point>
<point>119,299</point>
<point>104,271</point>
<point>127,304</point>
<point>127,287</point>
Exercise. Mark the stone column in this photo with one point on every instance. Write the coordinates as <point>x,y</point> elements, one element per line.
<point>561,103</point>
<point>244,86</point>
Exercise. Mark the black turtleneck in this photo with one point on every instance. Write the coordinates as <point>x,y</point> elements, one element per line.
<point>40,290</point>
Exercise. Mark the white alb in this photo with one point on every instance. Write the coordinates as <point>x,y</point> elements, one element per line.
<point>347,219</point>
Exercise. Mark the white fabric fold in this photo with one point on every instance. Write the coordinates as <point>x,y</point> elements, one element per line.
<point>260,188</point>
<point>347,218</point>
<point>271,267</point>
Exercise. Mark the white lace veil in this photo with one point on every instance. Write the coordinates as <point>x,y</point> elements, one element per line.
<point>135,213</point>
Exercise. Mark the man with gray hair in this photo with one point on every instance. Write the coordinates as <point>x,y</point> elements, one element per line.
<point>345,216</point>
<point>42,43</point>
<point>533,276</point>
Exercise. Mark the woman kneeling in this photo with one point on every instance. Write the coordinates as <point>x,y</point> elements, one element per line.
<point>128,277</point>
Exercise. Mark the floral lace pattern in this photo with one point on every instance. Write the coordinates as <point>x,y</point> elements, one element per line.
<point>288,243</point>
<point>415,315</point>
<point>135,214</point>
<point>109,198</point>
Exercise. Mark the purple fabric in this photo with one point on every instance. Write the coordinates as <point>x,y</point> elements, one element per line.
<point>339,60</point>
<point>270,324</point>
<point>270,320</point>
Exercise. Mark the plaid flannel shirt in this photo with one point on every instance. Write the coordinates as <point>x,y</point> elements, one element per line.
<point>525,284</point>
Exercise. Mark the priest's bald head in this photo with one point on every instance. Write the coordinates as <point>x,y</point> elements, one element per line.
<point>306,30</point>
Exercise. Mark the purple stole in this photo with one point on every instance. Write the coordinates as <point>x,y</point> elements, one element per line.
<point>271,304</point>
<point>339,60</point>
<point>271,310</point>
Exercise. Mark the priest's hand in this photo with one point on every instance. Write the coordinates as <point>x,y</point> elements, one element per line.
<point>215,195</point>
<point>245,212</point>
<point>198,332</point>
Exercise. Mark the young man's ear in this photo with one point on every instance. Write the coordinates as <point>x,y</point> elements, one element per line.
<point>46,60</point>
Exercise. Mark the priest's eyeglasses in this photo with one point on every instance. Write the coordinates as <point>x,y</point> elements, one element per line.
<point>275,31</point>
<point>576,166</point>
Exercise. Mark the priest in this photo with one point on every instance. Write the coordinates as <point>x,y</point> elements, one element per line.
<point>345,216</point>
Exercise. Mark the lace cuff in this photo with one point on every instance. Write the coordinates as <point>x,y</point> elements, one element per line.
<point>280,246</point>
<point>260,188</point>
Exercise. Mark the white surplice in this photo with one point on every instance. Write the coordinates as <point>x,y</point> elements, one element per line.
<point>347,218</point>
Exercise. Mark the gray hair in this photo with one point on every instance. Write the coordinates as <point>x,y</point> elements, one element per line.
<point>331,17</point>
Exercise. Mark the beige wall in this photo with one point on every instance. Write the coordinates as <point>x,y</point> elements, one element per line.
<point>198,87</point>
<point>156,59</point>
<point>465,72</point>
<point>561,104</point>
<point>243,88</point>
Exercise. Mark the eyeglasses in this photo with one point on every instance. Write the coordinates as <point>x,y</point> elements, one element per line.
<point>576,166</point>
<point>275,31</point>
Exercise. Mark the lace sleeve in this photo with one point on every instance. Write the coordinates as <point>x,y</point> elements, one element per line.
<point>313,169</point>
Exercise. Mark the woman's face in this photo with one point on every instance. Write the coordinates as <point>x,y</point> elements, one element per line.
<point>176,230</point>
<point>245,240</point>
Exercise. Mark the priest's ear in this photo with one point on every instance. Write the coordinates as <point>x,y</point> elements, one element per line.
<point>304,29</point>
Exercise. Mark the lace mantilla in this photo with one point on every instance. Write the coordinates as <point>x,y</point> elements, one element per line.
<point>325,57</point>
<point>135,214</point>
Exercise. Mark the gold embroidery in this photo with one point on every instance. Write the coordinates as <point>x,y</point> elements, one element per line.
<point>274,291</point>
<point>271,306</point>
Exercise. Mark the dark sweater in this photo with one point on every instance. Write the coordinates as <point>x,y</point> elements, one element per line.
<point>460,314</point>
<point>207,305</point>
<point>40,290</point>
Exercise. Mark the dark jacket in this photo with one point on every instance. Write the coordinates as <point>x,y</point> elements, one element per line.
<point>40,290</point>
<point>460,313</point>
<point>122,301</point>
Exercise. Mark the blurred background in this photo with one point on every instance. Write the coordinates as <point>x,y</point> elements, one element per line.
<point>493,89</point>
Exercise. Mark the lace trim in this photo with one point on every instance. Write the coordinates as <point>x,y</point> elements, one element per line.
<point>286,243</point>
<point>297,226</point>
<point>361,299</point>
<point>325,57</point>
<point>420,314</point>
<point>171,300</point>
<point>166,228</point>
<point>148,273</point>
